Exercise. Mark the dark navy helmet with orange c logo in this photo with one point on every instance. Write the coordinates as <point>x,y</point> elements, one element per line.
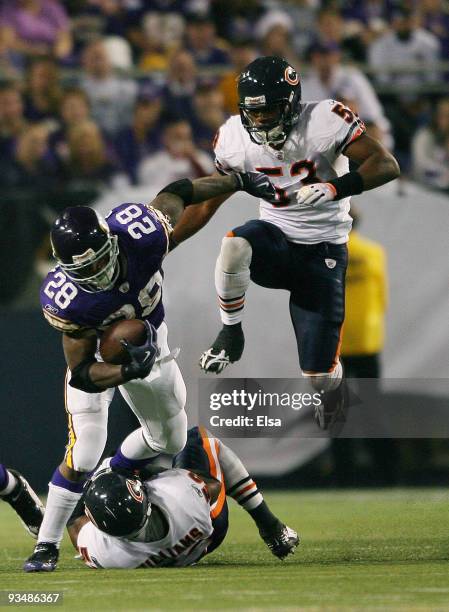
<point>116,504</point>
<point>269,92</point>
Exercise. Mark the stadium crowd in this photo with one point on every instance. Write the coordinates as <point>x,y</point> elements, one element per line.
<point>97,94</point>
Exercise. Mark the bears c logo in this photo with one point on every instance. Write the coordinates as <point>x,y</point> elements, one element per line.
<point>291,76</point>
<point>135,488</point>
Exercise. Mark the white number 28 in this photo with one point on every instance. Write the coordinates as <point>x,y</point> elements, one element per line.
<point>135,228</point>
<point>67,291</point>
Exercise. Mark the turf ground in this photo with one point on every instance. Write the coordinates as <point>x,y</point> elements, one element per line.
<point>383,550</point>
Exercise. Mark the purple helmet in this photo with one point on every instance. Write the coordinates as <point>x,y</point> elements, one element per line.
<point>85,248</point>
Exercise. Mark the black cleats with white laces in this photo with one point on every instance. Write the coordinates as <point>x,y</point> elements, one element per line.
<point>227,348</point>
<point>26,503</point>
<point>280,539</point>
<point>44,558</point>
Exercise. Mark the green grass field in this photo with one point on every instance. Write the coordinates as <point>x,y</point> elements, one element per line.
<point>383,550</point>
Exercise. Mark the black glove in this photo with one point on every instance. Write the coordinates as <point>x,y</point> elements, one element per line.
<point>142,357</point>
<point>256,184</point>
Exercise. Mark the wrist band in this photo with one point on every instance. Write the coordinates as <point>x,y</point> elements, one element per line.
<point>347,185</point>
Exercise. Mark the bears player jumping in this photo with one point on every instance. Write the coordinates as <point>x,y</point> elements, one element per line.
<point>299,242</point>
<point>110,270</point>
<point>175,517</point>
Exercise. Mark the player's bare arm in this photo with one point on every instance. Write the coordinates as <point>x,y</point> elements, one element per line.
<point>377,166</point>
<point>79,349</point>
<point>190,204</point>
<point>75,527</point>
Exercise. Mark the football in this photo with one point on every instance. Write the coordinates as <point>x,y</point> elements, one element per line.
<point>111,350</point>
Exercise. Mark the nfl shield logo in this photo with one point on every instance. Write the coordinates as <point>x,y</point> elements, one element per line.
<point>330,263</point>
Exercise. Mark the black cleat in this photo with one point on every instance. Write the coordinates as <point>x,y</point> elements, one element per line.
<point>227,348</point>
<point>44,558</point>
<point>281,540</point>
<point>26,503</point>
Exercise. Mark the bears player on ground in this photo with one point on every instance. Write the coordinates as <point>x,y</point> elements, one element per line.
<point>109,270</point>
<point>17,492</point>
<point>299,242</point>
<point>173,518</point>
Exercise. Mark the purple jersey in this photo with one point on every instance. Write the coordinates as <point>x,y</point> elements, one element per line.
<point>142,234</point>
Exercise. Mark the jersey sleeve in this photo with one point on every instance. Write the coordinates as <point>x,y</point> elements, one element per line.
<point>58,297</point>
<point>143,228</point>
<point>335,126</point>
<point>229,147</point>
<point>101,551</point>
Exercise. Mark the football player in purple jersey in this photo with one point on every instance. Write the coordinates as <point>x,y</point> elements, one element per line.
<point>107,270</point>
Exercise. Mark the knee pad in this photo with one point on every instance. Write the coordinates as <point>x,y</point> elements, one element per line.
<point>89,446</point>
<point>235,254</point>
<point>175,442</point>
<point>325,381</point>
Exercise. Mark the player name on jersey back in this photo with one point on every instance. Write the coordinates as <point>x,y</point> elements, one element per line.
<point>311,154</point>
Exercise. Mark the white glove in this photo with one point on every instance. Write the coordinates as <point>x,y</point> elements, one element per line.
<point>315,194</point>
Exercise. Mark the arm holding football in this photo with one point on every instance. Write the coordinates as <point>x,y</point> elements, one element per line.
<point>88,374</point>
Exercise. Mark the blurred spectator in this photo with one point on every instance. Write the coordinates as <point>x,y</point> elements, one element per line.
<point>242,53</point>
<point>202,42</point>
<point>178,159</point>
<point>159,35</point>
<point>235,19</point>
<point>142,136</point>
<point>88,171</point>
<point>181,83</point>
<point>29,168</point>
<point>209,115</point>
<point>11,61</point>
<point>74,109</point>
<point>12,120</point>
<point>331,30</point>
<point>406,44</point>
<point>430,149</point>
<point>43,91</point>
<point>119,52</point>
<point>36,27</point>
<point>434,15</point>
<point>328,78</point>
<point>273,31</point>
<point>111,97</point>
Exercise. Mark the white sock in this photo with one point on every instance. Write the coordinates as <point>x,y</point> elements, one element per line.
<point>232,278</point>
<point>59,507</point>
<point>135,446</point>
<point>326,382</point>
<point>12,481</point>
<point>239,484</point>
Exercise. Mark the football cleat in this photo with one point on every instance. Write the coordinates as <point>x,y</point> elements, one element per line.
<point>281,540</point>
<point>44,558</point>
<point>26,503</point>
<point>227,348</point>
<point>330,414</point>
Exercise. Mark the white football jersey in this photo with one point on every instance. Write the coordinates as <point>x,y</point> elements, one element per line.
<point>187,510</point>
<point>313,153</point>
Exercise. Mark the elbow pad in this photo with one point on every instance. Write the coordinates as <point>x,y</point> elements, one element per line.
<point>80,378</point>
<point>182,188</point>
